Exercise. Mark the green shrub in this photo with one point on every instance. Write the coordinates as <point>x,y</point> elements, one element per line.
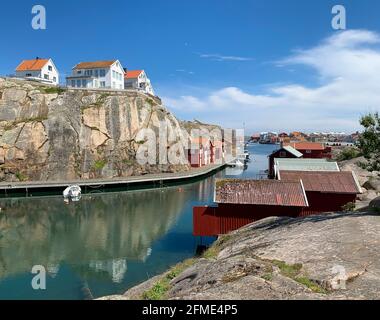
<point>50,90</point>
<point>348,154</point>
<point>349,207</point>
<point>99,164</point>
<point>21,177</point>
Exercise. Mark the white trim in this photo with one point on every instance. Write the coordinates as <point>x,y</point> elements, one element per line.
<point>357,182</point>
<point>304,193</point>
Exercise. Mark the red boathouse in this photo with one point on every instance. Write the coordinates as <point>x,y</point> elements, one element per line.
<point>325,191</point>
<point>284,152</point>
<point>240,202</point>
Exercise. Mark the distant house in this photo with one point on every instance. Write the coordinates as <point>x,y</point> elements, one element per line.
<point>325,191</point>
<point>240,202</point>
<point>97,74</point>
<point>301,164</point>
<point>284,152</point>
<point>43,70</point>
<point>312,150</point>
<point>137,79</point>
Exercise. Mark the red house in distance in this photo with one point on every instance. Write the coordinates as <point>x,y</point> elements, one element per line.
<point>313,150</point>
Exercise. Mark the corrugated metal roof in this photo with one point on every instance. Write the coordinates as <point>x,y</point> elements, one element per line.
<point>260,192</point>
<point>293,151</point>
<point>330,182</point>
<point>305,165</point>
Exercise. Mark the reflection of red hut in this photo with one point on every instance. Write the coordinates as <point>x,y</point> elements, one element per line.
<point>201,152</point>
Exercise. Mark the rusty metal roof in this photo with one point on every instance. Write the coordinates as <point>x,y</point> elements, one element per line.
<point>327,182</point>
<point>260,192</point>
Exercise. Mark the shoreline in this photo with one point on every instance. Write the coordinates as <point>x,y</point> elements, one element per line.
<point>157,180</point>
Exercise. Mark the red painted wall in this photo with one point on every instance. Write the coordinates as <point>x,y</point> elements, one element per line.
<point>213,221</point>
<point>222,219</point>
<point>326,202</point>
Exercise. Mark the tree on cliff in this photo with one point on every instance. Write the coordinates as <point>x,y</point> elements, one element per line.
<point>369,141</point>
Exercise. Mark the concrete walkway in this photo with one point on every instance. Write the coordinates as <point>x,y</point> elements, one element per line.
<point>148,178</point>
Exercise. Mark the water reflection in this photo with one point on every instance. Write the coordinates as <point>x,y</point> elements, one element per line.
<point>105,243</point>
<point>100,232</point>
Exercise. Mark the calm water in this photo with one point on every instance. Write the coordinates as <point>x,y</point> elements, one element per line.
<point>105,243</point>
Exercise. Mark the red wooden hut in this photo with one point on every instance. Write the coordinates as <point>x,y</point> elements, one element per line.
<point>240,202</point>
<point>325,191</point>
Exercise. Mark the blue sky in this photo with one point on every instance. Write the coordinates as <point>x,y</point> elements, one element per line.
<point>271,64</point>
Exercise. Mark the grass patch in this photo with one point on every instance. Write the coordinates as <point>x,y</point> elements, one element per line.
<point>13,124</point>
<point>99,164</point>
<point>313,286</point>
<point>211,253</point>
<point>288,270</point>
<point>293,270</point>
<point>267,276</point>
<point>162,286</point>
<point>127,162</point>
<point>51,90</point>
<point>21,177</point>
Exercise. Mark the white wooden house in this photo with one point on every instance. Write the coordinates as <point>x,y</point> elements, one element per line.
<point>137,79</point>
<point>97,74</point>
<point>43,70</point>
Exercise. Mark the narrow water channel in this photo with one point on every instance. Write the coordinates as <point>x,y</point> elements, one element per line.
<point>105,243</point>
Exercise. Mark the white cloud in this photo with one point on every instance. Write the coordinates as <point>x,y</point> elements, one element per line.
<point>219,57</point>
<point>348,65</point>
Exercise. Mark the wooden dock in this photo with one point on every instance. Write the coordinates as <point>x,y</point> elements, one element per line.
<point>147,181</point>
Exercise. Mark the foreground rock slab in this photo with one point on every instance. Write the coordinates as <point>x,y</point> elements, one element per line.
<point>334,256</point>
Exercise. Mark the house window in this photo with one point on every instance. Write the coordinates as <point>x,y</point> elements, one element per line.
<point>50,68</point>
<point>282,154</point>
<point>78,83</point>
<point>73,83</point>
<point>102,73</point>
<point>102,84</point>
<point>46,76</point>
<point>84,83</point>
<point>96,73</point>
<point>54,79</point>
<point>308,151</point>
<point>113,84</point>
<point>79,72</point>
<point>28,75</point>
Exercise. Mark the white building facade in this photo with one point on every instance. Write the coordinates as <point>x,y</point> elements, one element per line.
<point>43,70</point>
<point>98,74</point>
<point>137,79</point>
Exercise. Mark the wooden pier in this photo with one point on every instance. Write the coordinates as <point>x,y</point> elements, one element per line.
<point>148,181</point>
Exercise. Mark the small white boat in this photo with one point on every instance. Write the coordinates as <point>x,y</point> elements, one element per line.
<point>236,163</point>
<point>72,192</point>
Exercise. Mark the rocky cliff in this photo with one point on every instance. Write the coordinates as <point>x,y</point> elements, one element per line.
<point>332,256</point>
<point>48,133</point>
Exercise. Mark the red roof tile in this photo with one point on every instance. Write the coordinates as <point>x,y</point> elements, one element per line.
<point>306,145</point>
<point>261,192</point>
<point>32,65</point>
<point>324,181</point>
<point>132,74</point>
<point>95,64</point>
